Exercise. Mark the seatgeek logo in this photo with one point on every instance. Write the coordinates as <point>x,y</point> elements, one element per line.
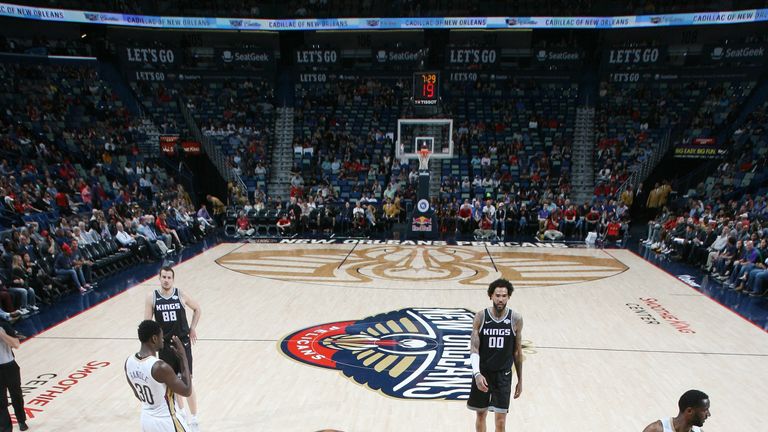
<point>413,353</point>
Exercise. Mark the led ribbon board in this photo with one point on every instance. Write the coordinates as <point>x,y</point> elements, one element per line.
<point>214,23</point>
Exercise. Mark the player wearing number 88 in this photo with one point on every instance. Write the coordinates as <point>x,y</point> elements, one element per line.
<point>167,306</point>
<point>155,383</point>
<point>495,348</point>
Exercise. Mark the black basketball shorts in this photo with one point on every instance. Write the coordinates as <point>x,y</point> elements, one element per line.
<point>167,355</point>
<point>496,399</point>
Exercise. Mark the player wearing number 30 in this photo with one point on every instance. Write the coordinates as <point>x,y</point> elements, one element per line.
<point>167,306</point>
<point>155,383</point>
<point>495,347</point>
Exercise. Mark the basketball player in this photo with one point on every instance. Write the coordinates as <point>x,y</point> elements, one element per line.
<point>496,346</point>
<point>693,411</point>
<point>166,306</point>
<point>155,383</point>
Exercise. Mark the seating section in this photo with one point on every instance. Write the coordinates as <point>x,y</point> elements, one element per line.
<point>62,99</point>
<point>520,131</point>
<point>634,117</point>
<point>107,257</point>
<point>512,140</point>
<point>161,100</point>
<point>71,170</point>
<point>718,108</point>
<point>728,207</point>
<point>745,166</point>
<point>263,221</point>
<point>237,116</point>
<point>346,122</point>
<point>75,121</point>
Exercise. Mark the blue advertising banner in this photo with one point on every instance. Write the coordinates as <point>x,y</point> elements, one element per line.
<point>216,23</point>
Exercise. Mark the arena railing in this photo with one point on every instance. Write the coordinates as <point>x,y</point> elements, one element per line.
<point>641,173</point>
<point>213,152</point>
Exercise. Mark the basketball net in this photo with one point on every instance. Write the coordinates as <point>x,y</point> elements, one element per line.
<point>424,159</point>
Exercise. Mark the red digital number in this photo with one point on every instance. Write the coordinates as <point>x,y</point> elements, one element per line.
<point>428,90</point>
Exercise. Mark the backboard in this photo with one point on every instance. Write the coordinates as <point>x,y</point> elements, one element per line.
<point>433,134</point>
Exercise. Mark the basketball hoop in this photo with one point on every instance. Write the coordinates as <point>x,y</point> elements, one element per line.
<point>415,135</point>
<point>424,159</point>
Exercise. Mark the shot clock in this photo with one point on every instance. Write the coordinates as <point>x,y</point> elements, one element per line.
<point>426,88</point>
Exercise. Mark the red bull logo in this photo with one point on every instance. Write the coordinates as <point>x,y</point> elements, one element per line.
<point>421,223</point>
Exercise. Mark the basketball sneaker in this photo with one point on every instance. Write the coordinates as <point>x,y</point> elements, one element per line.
<point>183,413</point>
<point>194,426</point>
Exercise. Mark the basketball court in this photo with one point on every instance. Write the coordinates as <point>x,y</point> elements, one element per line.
<point>375,337</point>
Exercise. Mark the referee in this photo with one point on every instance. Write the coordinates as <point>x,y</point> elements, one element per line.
<point>10,380</point>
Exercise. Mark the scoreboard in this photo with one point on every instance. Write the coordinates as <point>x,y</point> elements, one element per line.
<point>426,88</point>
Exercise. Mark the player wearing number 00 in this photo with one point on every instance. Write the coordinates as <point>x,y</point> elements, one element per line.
<point>496,347</point>
<point>167,306</point>
<point>155,383</point>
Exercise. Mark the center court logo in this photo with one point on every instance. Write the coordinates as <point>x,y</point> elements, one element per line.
<point>413,353</point>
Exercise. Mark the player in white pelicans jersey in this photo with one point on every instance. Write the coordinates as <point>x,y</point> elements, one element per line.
<point>694,410</point>
<point>154,382</point>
